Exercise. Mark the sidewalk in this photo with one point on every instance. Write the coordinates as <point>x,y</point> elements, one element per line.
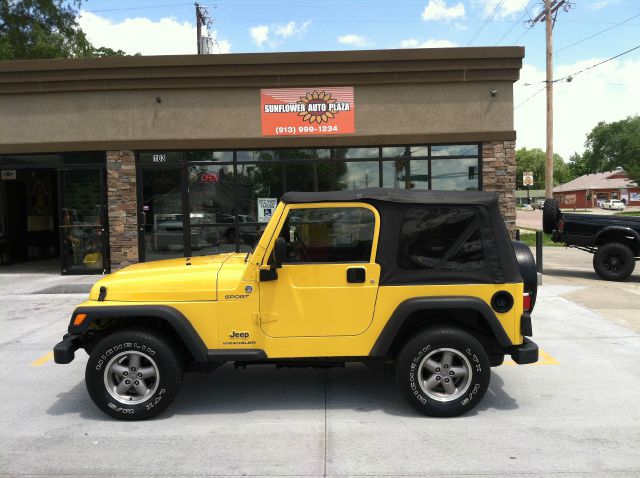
<point>616,301</point>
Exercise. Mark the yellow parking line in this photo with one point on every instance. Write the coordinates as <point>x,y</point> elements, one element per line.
<point>543,359</point>
<point>42,360</point>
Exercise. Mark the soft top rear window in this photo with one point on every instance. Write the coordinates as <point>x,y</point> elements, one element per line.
<point>441,238</point>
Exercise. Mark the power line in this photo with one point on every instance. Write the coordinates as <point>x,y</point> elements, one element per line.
<point>572,75</point>
<point>599,33</point>
<point>530,97</point>
<point>486,22</point>
<point>512,27</point>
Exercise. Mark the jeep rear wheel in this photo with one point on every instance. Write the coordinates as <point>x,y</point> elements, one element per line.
<point>614,261</point>
<point>133,374</point>
<point>443,372</point>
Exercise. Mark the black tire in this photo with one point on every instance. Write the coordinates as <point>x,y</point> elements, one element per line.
<point>614,261</point>
<point>119,350</point>
<point>528,269</point>
<point>412,372</point>
<point>551,214</point>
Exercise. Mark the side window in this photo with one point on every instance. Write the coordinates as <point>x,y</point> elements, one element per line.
<point>443,237</point>
<point>340,234</point>
<point>469,256</point>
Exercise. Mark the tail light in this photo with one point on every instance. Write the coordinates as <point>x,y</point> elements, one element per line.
<point>526,301</point>
<point>561,225</point>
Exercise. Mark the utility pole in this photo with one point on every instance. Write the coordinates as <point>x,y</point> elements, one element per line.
<point>548,14</point>
<point>200,21</point>
<point>548,177</point>
<point>203,19</point>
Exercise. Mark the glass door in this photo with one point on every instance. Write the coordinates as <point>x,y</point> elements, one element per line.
<point>161,219</point>
<point>82,221</point>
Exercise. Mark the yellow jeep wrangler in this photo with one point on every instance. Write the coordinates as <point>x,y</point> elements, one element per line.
<point>427,281</point>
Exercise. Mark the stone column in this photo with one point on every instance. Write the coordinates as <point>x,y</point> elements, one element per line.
<point>499,174</point>
<point>122,208</point>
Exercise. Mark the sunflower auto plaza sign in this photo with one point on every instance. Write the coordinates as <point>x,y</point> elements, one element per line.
<point>527,178</point>
<point>307,111</point>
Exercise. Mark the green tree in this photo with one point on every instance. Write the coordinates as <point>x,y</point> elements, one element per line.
<point>34,29</point>
<point>534,160</point>
<point>610,145</point>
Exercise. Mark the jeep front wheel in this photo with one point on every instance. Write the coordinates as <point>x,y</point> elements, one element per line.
<point>133,374</point>
<point>443,372</point>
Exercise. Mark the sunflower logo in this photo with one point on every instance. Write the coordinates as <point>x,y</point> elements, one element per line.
<point>317,106</point>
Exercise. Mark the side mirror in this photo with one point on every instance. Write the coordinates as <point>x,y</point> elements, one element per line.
<point>279,252</point>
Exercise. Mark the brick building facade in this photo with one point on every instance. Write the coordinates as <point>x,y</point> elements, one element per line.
<point>120,160</point>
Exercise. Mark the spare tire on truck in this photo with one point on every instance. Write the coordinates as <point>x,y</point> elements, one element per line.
<point>528,270</point>
<point>551,214</point>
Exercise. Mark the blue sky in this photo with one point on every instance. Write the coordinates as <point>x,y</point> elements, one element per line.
<point>167,27</point>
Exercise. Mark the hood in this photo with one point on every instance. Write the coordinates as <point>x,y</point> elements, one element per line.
<point>183,279</point>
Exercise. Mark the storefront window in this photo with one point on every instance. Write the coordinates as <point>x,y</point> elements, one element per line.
<point>357,174</point>
<point>160,157</point>
<point>395,174</point>
<point>211,193</point>
<point>405,151</point>
<point>356,153</point>
<point>404,173</point>
<point>309,176</point>
<point>210,156</point>
<point>259,180</point>
<point>455,150</point>
<point>224,188</point>
<point>259,155</point>
<point>83,158</point>
<point>455,174</point>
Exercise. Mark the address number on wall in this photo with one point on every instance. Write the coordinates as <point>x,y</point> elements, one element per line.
<point>159,158</point>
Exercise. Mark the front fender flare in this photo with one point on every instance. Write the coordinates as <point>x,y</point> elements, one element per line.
<point>172,317</point>
<point>405,309</point>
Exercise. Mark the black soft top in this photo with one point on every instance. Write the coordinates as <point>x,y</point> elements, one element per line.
<point>409,196</point>
<point>392,204</point>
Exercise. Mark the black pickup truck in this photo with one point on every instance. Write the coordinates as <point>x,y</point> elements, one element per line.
<point>614,241</point>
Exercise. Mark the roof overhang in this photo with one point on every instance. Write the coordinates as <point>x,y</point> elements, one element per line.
<point>426,65</point>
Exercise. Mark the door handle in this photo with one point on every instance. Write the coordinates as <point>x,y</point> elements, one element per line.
<point>356,275</point>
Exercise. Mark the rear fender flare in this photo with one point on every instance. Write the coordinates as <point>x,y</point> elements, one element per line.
<point>405,309</point>
<point>170,316</point>
<point>627,231</point>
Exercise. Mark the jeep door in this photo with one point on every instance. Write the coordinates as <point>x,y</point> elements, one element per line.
<point>328,281</point>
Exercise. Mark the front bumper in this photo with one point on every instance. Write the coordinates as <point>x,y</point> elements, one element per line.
<point>64,351</point>
<point>525,353</point>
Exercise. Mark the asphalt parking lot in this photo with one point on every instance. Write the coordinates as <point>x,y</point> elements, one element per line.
<point>574,413</point>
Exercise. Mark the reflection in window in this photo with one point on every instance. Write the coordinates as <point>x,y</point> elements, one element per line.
<point>211,192</point>
<point>469,256</point>
<point>260,180</point>
<point>405,151</point>
<point>455,174</point>
<point>356,153</point>
<point>395,174</point>
<point>357,175</point>
<point>210,156</point>
<point>259,155</point>
<point>293,154</point>
<point>428,233</point>
<point>309,176</point>
<point>338,234</point>
<point>82,216</point>
<point>404,173</point>
<point>455,150</point>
